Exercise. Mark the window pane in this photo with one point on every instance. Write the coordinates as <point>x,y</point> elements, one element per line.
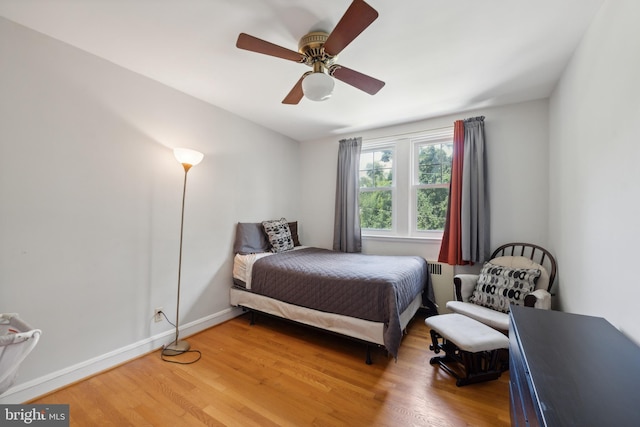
<point>375,209</point>
<point>434,163</point>
<point>376,169</point>
<point>430,173</point>
<point>366,158</point>
<point>383,177</point>
<point>384,156</point>
<point>366,179</point>
<point>432,208</point>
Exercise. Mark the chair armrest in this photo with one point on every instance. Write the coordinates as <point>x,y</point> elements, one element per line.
<point>539,298</point>
<point>464,286</point>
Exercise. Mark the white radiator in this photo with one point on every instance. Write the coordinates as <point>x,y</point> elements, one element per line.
<point>442,280</point>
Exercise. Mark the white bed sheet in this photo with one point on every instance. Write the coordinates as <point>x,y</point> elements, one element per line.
<point>243,265</point>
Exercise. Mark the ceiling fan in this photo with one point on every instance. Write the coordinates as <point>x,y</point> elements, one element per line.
<point>320,50</point>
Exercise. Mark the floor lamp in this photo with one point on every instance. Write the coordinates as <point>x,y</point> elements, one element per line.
<point>188,158</point>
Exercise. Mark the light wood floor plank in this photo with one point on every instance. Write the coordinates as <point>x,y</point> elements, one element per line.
<point>275,373</point>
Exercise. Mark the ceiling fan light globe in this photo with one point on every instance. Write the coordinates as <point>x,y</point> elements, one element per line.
<point>317,86</point>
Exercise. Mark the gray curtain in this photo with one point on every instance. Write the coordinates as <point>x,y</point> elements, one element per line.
<point>475,199</point>
<point>346,233</point>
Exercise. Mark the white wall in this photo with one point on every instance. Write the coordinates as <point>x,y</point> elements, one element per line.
<point>595,203</point>
<point>517,148</point>
<point>90,204</point>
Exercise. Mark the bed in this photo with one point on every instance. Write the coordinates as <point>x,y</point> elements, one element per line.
<point>370,298</point>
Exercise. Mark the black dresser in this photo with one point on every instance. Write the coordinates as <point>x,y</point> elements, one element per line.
<point>571,370</point>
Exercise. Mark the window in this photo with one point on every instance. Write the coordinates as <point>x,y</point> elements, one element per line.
<point>376,188</point>
<point>404,184</point>
<point>431,184</point>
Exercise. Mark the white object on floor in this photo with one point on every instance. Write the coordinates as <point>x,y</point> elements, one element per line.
<point>17,339</point>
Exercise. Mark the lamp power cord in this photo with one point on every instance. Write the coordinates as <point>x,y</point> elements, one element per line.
<point>164,355</point>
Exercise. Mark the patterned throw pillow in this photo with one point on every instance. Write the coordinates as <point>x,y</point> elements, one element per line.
<point>498,286</point>
<point>279,235</point>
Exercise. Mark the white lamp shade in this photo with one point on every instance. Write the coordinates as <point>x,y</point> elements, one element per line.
<point>317,86</point>
<point>188,156</point>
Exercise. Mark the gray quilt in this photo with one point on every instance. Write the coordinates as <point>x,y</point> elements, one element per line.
<point>369,287</point>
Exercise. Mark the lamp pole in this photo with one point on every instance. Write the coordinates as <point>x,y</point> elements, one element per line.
<point>188,158</point>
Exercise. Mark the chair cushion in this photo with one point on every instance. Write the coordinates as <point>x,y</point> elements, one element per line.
<point>498,287</point>
<point>466,333</point>
<point>495,319</point>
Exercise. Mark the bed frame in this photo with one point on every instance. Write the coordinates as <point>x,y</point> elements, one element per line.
<point>365,331</point>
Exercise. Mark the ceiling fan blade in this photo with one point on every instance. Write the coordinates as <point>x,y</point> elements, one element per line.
<point>354,21</point>
<point>254,44</point>
<point>296,94</point>
<point>358,80</point>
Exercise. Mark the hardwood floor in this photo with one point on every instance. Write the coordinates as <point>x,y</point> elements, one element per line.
<point>275,373</point>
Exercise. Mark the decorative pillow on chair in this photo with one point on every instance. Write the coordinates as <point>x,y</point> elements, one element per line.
<point>279,235</point>
<point>498,286</point>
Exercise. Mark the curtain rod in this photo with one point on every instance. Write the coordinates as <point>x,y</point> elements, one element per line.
<point>418,132</point>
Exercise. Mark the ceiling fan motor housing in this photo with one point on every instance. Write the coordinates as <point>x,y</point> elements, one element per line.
<point>312,47</point>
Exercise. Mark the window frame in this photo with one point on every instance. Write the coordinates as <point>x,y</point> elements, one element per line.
<point>405,186</point>
<point>381,146</point>
<point>417,143</point>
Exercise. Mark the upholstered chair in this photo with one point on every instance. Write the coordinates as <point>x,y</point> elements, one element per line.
<point>518,273</point>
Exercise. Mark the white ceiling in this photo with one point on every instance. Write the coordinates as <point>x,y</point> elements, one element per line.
<point>436,56</point>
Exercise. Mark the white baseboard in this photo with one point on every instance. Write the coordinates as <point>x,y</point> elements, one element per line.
<point>40,386</point>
